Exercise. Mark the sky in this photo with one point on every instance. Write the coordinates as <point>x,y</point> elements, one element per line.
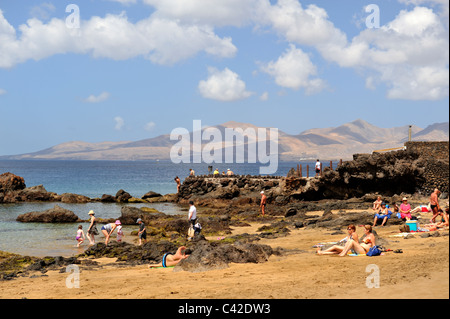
<point>126,70</point>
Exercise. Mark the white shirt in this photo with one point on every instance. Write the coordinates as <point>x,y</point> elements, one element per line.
<point>192,212</point>
<point>317,165</point>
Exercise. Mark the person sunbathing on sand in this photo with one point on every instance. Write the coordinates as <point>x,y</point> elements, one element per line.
<point>363,248</point>
<point>169,259</point>
<point>337,249</point>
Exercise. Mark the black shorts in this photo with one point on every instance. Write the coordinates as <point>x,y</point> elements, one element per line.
<point>193,222</point>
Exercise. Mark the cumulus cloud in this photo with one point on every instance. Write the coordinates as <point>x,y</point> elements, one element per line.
<point>2,91</point>
<point>295,70</point>
<point>97,98</point>
<point>119,123</point>
<point>163,41</point>
<point>409,55</point>
<point>223,86</point>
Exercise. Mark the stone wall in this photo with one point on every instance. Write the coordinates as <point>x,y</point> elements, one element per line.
<point>438,150</point>
<point>435,157</point>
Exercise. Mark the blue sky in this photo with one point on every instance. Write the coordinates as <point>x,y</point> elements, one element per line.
<point>136,69</point>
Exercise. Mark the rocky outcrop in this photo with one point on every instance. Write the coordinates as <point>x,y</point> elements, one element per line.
<point>207,256</point>
<point>53,215</point>
<point>388,174</point>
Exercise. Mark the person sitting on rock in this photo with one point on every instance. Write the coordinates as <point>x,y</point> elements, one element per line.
<point>170,260</point>
<point>377,204</point>
<point>383,214</point>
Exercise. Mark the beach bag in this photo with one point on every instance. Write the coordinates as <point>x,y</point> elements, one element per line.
<point>191,231</point>
<point>374,251</point>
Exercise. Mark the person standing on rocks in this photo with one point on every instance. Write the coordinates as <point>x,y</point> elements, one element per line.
<point>434,202</point>
<point>142,231</point>
<point>318,164</point>
<point>263,203</point>
<point>192,218</point>
<point>177,180</point>
<point>92,230</point>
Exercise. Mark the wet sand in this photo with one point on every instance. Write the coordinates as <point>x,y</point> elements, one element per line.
<point>420,272</point>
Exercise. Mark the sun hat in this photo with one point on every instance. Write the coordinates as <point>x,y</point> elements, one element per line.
<point>118,222</point>
<point>404,198</point>
<point>91,212</point>
<point>138,220</point>
<point>262,192</point>
<point>383,204</point>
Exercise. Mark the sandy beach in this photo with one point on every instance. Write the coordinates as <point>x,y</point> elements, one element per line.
<point>420,272</point>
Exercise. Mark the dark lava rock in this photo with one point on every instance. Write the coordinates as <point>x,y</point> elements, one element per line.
<point>56,214</point>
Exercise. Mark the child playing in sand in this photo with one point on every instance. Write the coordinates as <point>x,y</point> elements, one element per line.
<point>80,236</point>
<point>119,233</point>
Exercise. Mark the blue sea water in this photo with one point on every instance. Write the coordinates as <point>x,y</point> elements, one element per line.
<point>93,179</point>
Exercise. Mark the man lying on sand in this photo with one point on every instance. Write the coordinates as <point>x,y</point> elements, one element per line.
<point>169,259</point>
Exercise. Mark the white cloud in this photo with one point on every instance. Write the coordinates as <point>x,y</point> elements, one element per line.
<point>160,40</point>
<point>409,55</point>
<point>96,99</point>
<point>223,86</point>
<point>119,123</point>
<point>124,2</point>
<point>295,70</point>
<point>2,91</point>
<point>149,126</point>
<point>42,11</point>
<point>207,12</point>
<point>264,96</point>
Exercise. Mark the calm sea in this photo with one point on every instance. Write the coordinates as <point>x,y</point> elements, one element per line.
<point>93,179</point>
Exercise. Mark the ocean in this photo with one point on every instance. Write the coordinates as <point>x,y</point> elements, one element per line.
<point>93,179</point>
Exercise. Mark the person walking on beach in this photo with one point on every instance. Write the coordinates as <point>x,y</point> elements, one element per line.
<point>142,231</point>
<point>177,180</point>
<point>80,235</point>
<point>263,203</point>
<point>318,169</point>
<point>108,229</point>
<point>434,204</point>
<point>92,230</point>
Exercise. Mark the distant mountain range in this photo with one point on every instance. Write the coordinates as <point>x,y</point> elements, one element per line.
<point>332,143</point>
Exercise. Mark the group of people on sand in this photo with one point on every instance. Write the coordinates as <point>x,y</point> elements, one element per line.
<point>383,212</point>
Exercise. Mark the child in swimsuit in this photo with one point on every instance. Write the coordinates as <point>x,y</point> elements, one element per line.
<point>119,233</point>
<point>80,236</point>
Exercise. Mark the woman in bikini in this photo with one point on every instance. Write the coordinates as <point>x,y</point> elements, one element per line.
<point>169,259</point>
<point>337,249</point>
<point>363,248</point>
